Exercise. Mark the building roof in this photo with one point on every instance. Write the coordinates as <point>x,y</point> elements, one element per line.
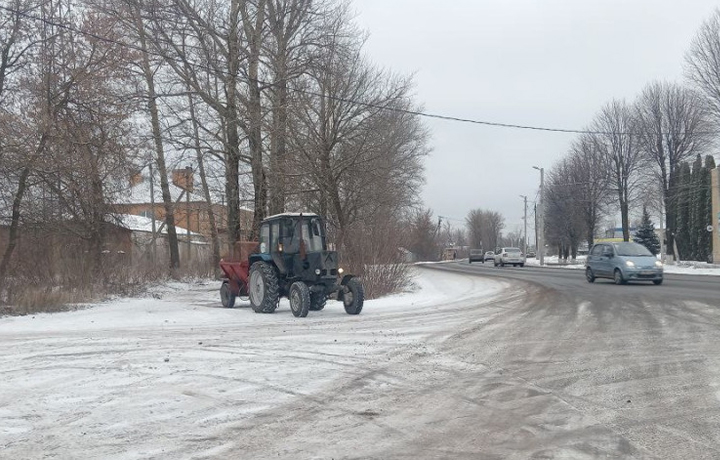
<point>139,193</point>
<point>144,224</point>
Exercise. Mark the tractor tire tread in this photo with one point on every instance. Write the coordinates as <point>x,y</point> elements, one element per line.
<point>226,296</point>
<point>303,295</point>
<point>358,296</point>
<point>270,279</point>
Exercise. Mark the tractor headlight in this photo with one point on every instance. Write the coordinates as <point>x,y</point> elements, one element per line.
<point>630,263</point>
<point>317,271</point>
<point>340,271</point>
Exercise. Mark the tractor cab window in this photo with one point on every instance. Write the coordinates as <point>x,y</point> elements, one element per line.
<point>274,236</point>
<point>312,233</point>
<point>265,239</point>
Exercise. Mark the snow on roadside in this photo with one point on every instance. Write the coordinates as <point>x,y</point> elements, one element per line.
<point>178,376</point>
<point>681,268</point>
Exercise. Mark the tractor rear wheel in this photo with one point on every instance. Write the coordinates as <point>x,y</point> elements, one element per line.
<point>317,301</point>
<point>263,288</point>
<point>226,296</point>
<point>299,299</point>
<point>353,296</point>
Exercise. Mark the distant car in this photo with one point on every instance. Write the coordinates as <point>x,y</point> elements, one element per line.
<point>476,255</point>
<point>623,262</point>
<point>531,254</point>
<point>490,255</point>
<point>509,256</point>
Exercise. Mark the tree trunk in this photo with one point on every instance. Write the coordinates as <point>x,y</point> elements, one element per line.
<point>232,136</point>
<point>278,144</point>
<point>625,218</point>
<point>97,222</point>
<point>203,178</point>
<point>14,225</point>
<point>159,151</point>
<point>254,36</point>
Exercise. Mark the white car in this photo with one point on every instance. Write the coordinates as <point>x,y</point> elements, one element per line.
<point>509,256</point>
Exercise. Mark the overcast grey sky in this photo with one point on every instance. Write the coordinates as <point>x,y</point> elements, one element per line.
<point>531,62</point>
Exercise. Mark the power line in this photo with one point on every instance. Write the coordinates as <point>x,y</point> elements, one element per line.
<point>335,98</point>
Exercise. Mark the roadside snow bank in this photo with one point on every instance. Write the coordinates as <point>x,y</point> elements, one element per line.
<point>681,268</point>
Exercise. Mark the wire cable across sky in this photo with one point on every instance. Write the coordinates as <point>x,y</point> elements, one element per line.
<point>418,113</point>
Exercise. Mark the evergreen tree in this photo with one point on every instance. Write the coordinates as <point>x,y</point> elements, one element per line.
<point>696,224</point>
<point>646,235</point>
<point>683,206</point>
<point>703,211</point>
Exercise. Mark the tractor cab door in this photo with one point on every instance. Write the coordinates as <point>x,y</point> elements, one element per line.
<point>314,235</point>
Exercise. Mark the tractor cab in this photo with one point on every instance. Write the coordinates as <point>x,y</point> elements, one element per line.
<point>292,234</point>
<point>296,245</point>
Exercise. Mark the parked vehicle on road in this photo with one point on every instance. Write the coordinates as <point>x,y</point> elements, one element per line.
<point>476,255</point>
<point>509,256</point>
<point>490,255</point>
<point>623,262</point>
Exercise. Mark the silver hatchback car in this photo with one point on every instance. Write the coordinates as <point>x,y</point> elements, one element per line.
<point>623,262</point>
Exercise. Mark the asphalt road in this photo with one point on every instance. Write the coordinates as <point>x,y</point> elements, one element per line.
<point>675,288</point>
<point>553,367</point>
<point>608,371</point>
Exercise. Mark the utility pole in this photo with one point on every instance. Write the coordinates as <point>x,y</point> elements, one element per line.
<point>188,188</point>
<point>715,187</point>
<point>536,227</point>
<point>524,197</point>
<point>541,217</point>
<point>152,216</point>
<point>662,236</point>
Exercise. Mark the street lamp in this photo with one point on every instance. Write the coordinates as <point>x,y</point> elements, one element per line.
<point>541,218</point>
<point>524,197</point>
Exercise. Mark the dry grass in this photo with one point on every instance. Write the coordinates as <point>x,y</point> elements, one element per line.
<point>30,301</point>
<point>32,290</point>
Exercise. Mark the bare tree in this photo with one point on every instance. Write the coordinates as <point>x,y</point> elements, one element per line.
<point>474,224</point>
<point>360,148</point>
<point>565,223</point>
<point>137,25</point>
<point>702,62</point>
<point>422,235</point>
<point>589,181</point>
<point>673,126</point>
<point>200,158</point>
<point>202,42</point>
<point>253,22</point>
<point>37,118</point>
<point>294,29</point>
<point>485,228</point>
<point>618,145</point>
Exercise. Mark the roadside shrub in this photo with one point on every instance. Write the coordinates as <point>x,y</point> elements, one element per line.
<point>373,253</point>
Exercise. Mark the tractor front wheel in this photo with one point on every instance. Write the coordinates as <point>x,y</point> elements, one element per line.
<point>226,296</point>
<point>263,288</point>
<point>299,299</point>
<point>353,296</point>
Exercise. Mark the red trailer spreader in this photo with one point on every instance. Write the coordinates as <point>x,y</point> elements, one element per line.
<point>236,273</point>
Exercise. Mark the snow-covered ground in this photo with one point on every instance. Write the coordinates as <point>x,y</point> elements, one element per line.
<point>174,375</point>
<point>685,268</point>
